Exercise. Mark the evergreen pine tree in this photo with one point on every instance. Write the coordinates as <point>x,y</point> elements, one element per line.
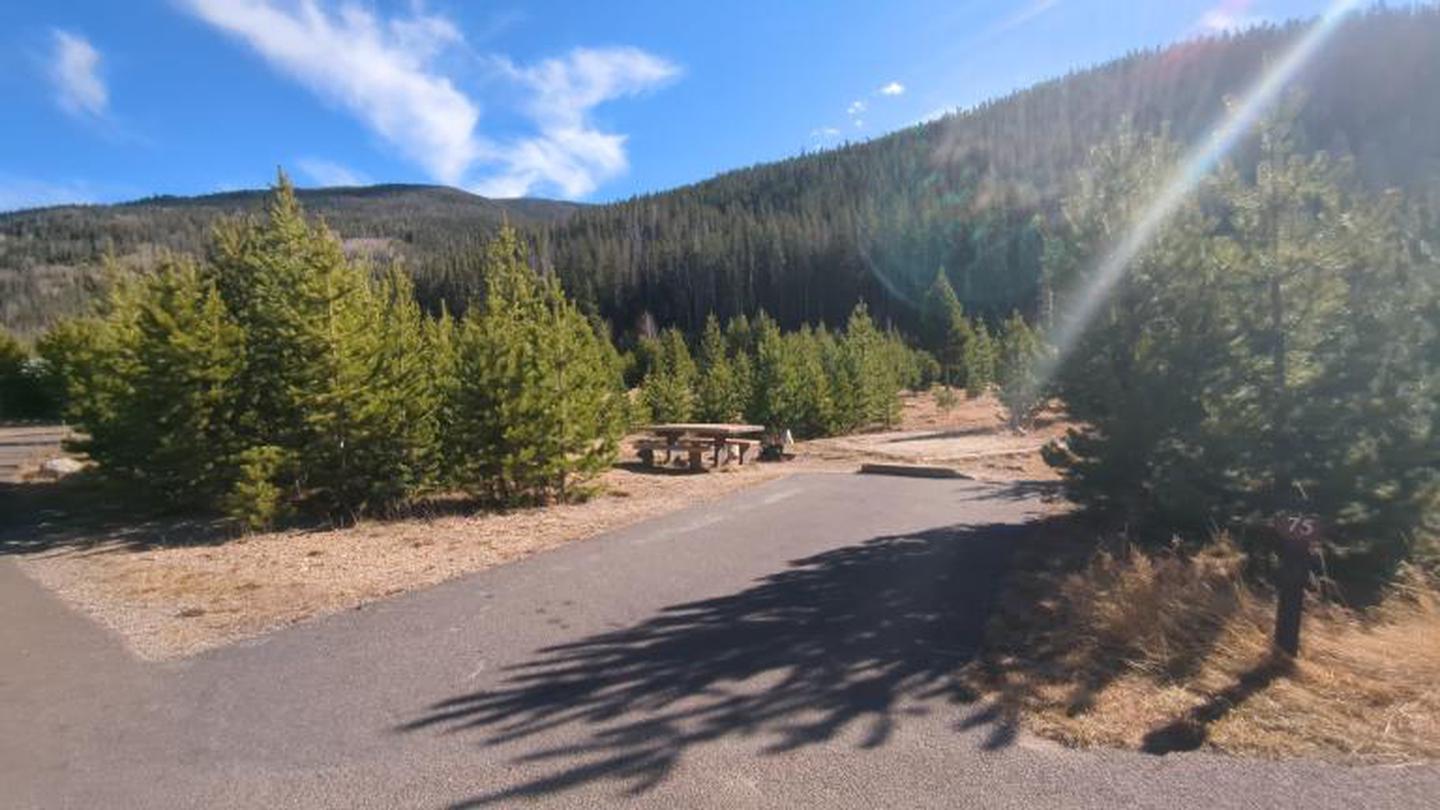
<point>152,385</point>
<point>24,391</point>
<point>846,381</point>
<point>12,368</point>
<point>937,311</point>
<point>588,386</point>
<point>875,369</point>
<point>670,386</point>
<point>1135,380</point>
<point>813,410</point>
<point>739,336</point>
<point>374,424</point>
<point>280,279</point>
<point>717,391</point>
<point>775,388</point>
<point>981,356</point>
<point>497,389</point>
<point>538,399</point>
<point>1267,350</point>
<point>1018,373</point>
<point>333,374</point>
<point>440,350</point>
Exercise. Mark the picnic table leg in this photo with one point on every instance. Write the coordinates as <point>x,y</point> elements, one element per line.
<point>697,459</point>
<point>647,456</point>
<point>719,445</point>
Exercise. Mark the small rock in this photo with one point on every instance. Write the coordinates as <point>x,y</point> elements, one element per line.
<point>60,467</point>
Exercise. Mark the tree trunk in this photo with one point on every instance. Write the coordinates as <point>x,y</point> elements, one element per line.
<point>1280,407</point>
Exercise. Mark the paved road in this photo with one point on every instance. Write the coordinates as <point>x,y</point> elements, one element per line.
<point>787,650</point>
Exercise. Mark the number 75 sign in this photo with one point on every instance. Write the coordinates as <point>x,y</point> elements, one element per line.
<point>1297,528</point>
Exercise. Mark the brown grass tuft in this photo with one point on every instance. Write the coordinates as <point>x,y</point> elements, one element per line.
<point>1171,651</point>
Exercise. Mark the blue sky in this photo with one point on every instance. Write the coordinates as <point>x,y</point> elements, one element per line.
<point>106,101</point>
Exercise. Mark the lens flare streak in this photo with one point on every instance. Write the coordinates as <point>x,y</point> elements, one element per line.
<point>1192,170</point>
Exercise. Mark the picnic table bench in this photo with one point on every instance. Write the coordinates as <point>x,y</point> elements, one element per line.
<point>695,438</point>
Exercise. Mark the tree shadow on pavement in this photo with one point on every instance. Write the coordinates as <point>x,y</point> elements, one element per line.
<point>846,642</point>
<point>1021,490</point>
<point>1189,732</point>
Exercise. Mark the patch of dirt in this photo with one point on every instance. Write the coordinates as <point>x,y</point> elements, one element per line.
<point>175,588</point>
<point>972,437</point>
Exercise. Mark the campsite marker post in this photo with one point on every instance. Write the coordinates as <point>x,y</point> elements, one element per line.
<point>1298,534</point>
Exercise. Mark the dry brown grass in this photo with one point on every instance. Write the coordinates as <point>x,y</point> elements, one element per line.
<point>1172,652</point>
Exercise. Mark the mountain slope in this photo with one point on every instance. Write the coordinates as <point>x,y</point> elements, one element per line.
<point>50,258</point>
<point>804,237</point>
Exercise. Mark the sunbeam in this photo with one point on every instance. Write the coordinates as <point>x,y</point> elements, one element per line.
<point>1198,163</point>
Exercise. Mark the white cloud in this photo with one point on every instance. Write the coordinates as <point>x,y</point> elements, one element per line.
<point>1229,15</point>
<point>568,151</point>
<point>933,115</point>
<point>329,173</point>
<point>892,89</point>
<point>74,71</point>
<point>386,72</point>
<point>825,133</point>
<point>855,111</point>
<point>377,70</point>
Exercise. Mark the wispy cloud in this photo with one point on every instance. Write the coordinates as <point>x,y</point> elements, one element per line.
<point>568,150</point>
<point>933,115</point>
<point>75,75</point>
<point>329,173</point>
<point>856,112</point>
<point>1228,15</point>
<point>380,71</point>
<point>1020,16</point>
<point>20,192</point>
<point>389,74</point>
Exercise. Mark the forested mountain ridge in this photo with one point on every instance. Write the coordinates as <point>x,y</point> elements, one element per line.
<point>803,238</point>
<point>51,258</point>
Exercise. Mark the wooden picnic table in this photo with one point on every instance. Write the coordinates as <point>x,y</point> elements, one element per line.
<point>718,434</point>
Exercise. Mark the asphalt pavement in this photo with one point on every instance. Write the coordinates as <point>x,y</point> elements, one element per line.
<point>790,646</point>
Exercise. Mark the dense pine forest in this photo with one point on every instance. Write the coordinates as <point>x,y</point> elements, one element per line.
<point>803,239</point>
<point>973,192</point>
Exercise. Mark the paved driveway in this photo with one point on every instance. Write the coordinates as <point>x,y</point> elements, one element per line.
<point>787,647</point>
